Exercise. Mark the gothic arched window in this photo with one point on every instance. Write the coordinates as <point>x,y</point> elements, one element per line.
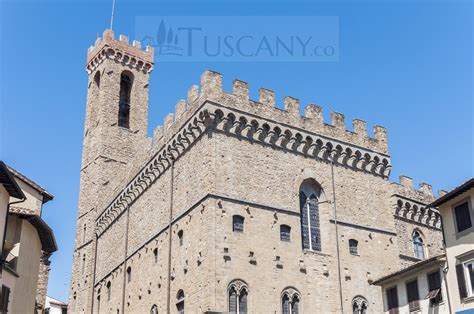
<point>238,223</point>
<point>418,247</point>
<point>180,301</point>
<point>359,305</point>
<point>126,81</point>
<point>310,192</point>
<point>154,309</point>
<point>238,295</point>
<point>290,301</point>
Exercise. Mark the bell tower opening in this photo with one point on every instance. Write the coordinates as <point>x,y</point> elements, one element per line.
<point>126,82</point>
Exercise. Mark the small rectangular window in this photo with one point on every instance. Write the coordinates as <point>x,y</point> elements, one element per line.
<point>392,300</point>
<point>237,223</point>
<point>463,218</point>
<point>434,287</point>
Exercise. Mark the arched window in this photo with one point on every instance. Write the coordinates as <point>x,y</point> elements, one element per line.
<point>238,295</point>
<point>109,288</point>
<point>353,249</point>
<point>180,237</point>
<point>129,273</point>
<point>180,301</point>
<point>418,247</point>
<point>310,192</point>
<point>238,223</point>
<point>126,81</point>
<point>154,309</point>
<point>359,305</point>
<point>155,254</point>
<point>290,301</point>
<point>285,233</point>
<point>97,79</point>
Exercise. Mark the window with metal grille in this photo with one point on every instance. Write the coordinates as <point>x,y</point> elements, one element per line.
<point>412,295</point>
<point>463,217</point>
<point>285,233</point>
<point>310,192</point>
<point>434,287</point>
<point>353,249</point>
<point>238,223</point>
<point>126,81</point>
<point>392,300</point>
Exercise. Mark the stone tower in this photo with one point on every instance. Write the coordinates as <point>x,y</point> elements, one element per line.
<point>115,133</point>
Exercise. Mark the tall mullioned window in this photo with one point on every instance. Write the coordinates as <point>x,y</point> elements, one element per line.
<point>290,303</point>
<point>310,191</point>
<point>418,247</point>
<point>126,81</point>
<point>238,295</point>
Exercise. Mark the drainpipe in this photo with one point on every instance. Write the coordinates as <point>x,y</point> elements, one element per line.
<point>170,238</point>
<point>96,238</point>
<point>337,235</point>
<point>446,269</point>
<point>125,261</point>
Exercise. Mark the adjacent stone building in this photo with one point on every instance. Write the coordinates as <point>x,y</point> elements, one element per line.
<point>231,206</point>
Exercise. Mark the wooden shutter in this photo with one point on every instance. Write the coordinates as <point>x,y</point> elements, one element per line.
<point>463,218</point>
<point>4,299</point>
<point>304,222</point>
<point>392,298</point>
<point>461,281</point>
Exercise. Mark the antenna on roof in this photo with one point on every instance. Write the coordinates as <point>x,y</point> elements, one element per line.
<point>112,17</point>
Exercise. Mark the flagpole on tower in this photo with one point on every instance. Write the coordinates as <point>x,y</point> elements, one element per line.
<point>112,17</point>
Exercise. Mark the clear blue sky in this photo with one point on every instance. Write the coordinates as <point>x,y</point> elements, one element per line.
<point>406,65</point>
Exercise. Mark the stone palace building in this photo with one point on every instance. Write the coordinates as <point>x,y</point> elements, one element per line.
<point>231,206</point>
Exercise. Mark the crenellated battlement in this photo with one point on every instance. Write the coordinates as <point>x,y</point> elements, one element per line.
<point>266,107</point>
<point>412,204</point>
<point>121,51</point>
<point>209,107</point>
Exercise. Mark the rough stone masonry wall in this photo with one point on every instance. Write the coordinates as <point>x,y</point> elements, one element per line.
<point>263,175</point>
<point>108,149</point>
